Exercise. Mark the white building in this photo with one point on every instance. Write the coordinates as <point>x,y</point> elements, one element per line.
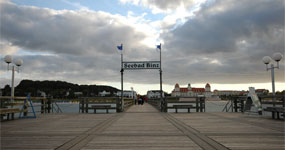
<point>190,91</point>
<point>129,94</point>
<point>229,93</point>
<point>104,93</point>
<point>78,93</point>
<point>154,94</point>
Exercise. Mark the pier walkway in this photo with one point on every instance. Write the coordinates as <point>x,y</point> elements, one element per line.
<point>144,127</point>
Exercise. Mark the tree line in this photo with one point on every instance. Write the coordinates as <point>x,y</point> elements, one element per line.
<point>57,89</point>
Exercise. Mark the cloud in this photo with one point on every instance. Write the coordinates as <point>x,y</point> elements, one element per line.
<point>66,31</point>
<point>237,34</point>
<point>7,48</point>
<point>164,6</point>
<point>223,42</point>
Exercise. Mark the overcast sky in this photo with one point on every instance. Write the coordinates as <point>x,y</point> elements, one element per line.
<point>221,42</point>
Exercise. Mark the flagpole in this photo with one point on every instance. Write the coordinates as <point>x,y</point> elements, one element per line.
<point>122,77</point>
<point>160,73</point>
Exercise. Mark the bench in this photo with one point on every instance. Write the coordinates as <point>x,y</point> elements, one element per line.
<point>8,111</point>
<point>182,107</point>
<point>276,110</point>
<point>107,107</point>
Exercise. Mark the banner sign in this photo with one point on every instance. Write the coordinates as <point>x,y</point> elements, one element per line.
<point>141,65</point>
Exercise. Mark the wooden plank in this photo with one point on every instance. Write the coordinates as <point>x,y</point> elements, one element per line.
<point>143,127</point>
<point>9,110</point>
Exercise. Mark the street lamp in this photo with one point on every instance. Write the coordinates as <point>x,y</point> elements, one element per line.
<point>266,60</point>
<point>18,62</point>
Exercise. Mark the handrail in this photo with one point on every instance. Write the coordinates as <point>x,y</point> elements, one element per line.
<point>226,107</point>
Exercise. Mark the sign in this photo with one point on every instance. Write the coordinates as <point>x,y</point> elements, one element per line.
<point>141,65</point>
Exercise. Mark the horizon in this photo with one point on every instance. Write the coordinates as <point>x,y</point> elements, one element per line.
<point>169,88</point>
<point>220,42</point>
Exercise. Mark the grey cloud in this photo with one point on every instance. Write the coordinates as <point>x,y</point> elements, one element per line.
<point>215,31</point>
<point>65,32</point>
<point>236,33</point>
<point>207,48</point>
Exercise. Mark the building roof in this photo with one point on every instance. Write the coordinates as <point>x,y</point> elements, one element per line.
<point>183,89</point>
<point>261,90</point>
<point>208,85</point>
<point>198,89</point>
<point>176,85</point>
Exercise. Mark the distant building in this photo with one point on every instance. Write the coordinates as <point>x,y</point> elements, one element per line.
<point>154,94</point>
<point>77,94</point>
<point>41,93</point>
<point>261,91</point>
<point>229,93</point>
<point>129,94</point>
<point>189,91</point>
<point>104,93</point>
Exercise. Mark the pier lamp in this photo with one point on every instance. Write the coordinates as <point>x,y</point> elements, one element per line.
<point>13,67</point>
<point>266,60</point>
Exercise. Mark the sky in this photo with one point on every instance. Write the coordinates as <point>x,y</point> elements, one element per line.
<point>221,42</point>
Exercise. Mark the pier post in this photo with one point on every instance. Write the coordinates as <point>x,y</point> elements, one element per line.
<point>42,106</point>
<point>241,105</point>
<point>82,105</point>
<point>197,104</point>
<point>235,104</point>
<point>201,104</point>
<point>49,105</point>
<point>86,105</point>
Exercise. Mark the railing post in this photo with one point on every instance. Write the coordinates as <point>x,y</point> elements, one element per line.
<point>197,105</point>
<point>235,104</point>
<point>86,105</point>
<point>241,105</point>
<point>48,103</point>
<point>82,105</point>
<point>201,104</point>
<point>42,106</point>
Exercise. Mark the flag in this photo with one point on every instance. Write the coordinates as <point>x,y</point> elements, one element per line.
<point>120,47</point>
<point>158,46</point>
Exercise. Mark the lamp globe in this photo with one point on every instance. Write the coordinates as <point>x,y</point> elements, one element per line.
<point>8,59</point>
<point>19,62</point>
<point>277,56</point>
<point>266,59</point>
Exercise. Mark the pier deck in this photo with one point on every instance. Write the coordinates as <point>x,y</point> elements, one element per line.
<point>143,127</point>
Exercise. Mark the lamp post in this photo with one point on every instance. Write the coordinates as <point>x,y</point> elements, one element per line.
<point>17,63</point>
<point>266,60</point>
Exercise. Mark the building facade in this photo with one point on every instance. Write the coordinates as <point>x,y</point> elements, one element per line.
<point>191,91</point>
<point>229,93</point>
<point>154,94</point>
<point>129,94</point>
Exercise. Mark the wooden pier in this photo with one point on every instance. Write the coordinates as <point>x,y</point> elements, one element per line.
<point>144,127</point>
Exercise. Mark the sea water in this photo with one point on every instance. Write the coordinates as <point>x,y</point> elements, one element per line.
<point>67,107</point>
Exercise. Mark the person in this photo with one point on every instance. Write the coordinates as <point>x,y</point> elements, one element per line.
<point>145,99</point>
<point>140,100</point>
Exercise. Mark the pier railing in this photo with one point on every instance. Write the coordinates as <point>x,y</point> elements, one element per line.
<point>27,107</point>
<point>198,103</point>
<point>45,104</point>
<point>238,103</point>
<point>87,103</point>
